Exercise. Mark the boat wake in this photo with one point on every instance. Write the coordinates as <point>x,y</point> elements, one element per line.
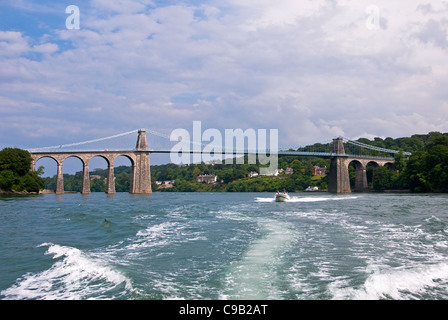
<point>256,276</point>
<point>306,199</point>
<point>396,283</point>
<point>75,275</point>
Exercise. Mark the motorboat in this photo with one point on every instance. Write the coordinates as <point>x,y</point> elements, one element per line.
<point>281,196</point>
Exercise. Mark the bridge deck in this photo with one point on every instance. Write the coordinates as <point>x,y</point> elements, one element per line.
<point>245,152</point>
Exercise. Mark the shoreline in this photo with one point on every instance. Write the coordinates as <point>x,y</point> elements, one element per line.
<point>43,192</point>
<point>17,193</point>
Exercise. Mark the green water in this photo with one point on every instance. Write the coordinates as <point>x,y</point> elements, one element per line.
<point>224,246</point>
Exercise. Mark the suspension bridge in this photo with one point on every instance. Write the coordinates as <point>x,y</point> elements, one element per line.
<point>341,151</point>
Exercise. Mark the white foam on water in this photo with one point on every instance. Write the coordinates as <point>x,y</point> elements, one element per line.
<point>271,199</point>
<point>399,283</point>
<point>232,215</point>
<point>154,236</point>
<point>306,199</point>
<point>163,234</point>
<point>75,276</point>
<point>158,234</point>
<point>382,246</point>
<point>157,237</point>
<point>318,199</point>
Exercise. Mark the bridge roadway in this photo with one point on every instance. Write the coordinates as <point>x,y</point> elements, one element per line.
<point>339,181</point>
<point>285,153</point>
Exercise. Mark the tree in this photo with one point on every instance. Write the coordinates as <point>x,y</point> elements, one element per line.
<point>296,165</point>
<point>437,164</point>
<point>97,185</point>
<point>8,179</point>
<point>384,178</point>
<point>399,163</point>
<point>122,181</point>
<point>15,160</point>
<point>15,174</point>
<point>196,172</point>
<point>32,182</point>
<point>416,172</point>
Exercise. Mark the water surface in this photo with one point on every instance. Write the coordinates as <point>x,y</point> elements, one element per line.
<point>224,246</point>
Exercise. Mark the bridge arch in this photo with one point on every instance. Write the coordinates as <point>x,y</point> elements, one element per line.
<point>371,167</point>
<point>128,156</point>
<point>99,161</point>
<point>360,183</point>
<point>37,158</point>
<point>76,163</point>
<point>110,179</point>
<point>361,171</point>
<point>108,159</point>
<point>49,164</point>
<point>83,161</point>
<point>122,179</point>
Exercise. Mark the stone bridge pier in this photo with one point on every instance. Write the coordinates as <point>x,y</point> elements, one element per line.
<point>339,180</point>
<point>140,172</point>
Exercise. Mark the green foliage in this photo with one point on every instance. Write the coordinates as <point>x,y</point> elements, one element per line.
<point>426,170</point>
<point>384,179</point>
<point>15,160</point>
<point>7,179</point>
<point>15,174</point>
<point>415,172</point>
<point>427,167</point>
<point>234,177</point>
<point>436,164</point>
<point>416,142</point>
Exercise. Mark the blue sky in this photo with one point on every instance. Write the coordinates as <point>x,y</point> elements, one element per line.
<point>312,69</point>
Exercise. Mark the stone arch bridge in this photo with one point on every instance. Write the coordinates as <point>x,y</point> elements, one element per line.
<point>338,182</point>
<point>140,173</point>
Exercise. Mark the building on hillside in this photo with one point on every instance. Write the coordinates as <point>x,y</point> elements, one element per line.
<point>253,174</point>
<point>318,171</point>
<point>165,184</point>
<point>207,178</point>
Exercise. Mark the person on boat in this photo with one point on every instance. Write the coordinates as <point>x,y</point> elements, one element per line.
<point>277,192</point>
<point>284,191</point>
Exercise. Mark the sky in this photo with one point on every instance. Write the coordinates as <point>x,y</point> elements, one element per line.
<point>314,70</point>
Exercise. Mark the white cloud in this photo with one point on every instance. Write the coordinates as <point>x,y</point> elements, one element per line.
<point>46,48</point>
<point>310,68</point>
<point>12,44</point>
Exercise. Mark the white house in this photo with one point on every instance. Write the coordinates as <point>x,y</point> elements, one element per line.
<point>253,174</point>
<point>207,178</point>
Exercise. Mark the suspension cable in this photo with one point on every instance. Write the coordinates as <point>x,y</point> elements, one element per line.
<point>84,142</point>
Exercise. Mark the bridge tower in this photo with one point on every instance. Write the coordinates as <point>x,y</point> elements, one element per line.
<point>338,180</point>
<point>141,172</point>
